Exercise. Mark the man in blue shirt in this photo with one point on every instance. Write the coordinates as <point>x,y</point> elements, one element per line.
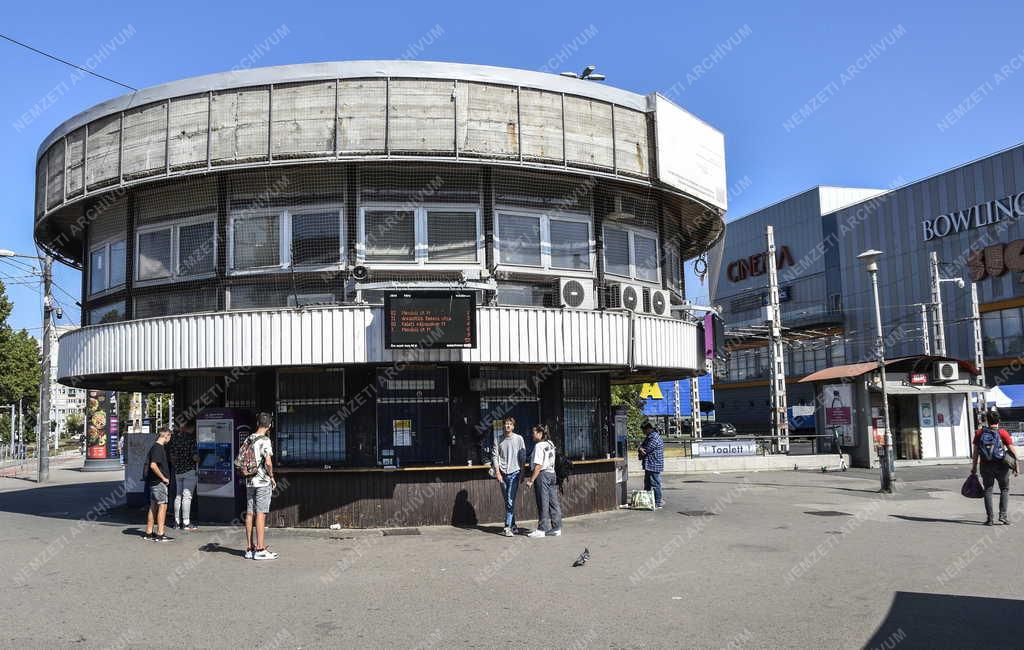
<point>652,455</point>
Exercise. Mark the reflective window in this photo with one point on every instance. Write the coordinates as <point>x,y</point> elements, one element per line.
<point>154,258</point>
<point>645,257</point>
<point>256,241</point>
<point>316,238</point>
<point>631,253</point>
<point>197,249</point>
<point>616,252</point>
<point>390,235</point>
<point>451,236</point>
<point>570,245</point>
<point>111,313</point>
<point>519,239</point>
<point>106,266</point>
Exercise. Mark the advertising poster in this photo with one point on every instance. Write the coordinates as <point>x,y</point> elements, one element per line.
<point>101,434</point>
<point>839,412</point>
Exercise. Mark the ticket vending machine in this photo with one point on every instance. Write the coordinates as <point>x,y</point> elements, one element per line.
<point>220,492</point>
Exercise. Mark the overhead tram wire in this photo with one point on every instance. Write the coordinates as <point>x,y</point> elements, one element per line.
<point>66,62</point>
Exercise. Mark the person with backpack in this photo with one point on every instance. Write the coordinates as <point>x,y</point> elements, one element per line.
<point>157,476</point>
<point>652,456</point>
<point>256,465</point>
<point>545,484</point>
<point>507,458</point>
<point>993,448</point>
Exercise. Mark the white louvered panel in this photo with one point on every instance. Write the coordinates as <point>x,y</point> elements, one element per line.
<point>276,337</point>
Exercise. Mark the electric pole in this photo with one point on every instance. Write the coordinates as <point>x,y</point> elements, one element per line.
<point>780,421</point>
<point>940,326</point>
<point>979,348</point>
<point>924,330</point>
<point>43,439</point>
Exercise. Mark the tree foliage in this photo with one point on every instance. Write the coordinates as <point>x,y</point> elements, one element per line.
<point>629,396</point>
<point>20,369</point>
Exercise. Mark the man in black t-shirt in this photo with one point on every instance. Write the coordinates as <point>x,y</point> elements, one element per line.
<point>157,478</point>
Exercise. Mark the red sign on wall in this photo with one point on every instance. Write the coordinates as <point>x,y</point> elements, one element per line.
<point>756,265</point>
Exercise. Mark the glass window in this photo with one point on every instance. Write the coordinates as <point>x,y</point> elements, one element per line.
<point>1012,343</point>
<point>117,263</point>
<point>390,235</point>
<point>196,249</point>
<point>316,238</point>
<point>616,252</point>
<point>570,245</point>
<point>154,254</point>
<point>838,353</point>
<point>519,239</point>
<point>253,296</point>
<point>525,295</point>
<point>310,431</point>
<point>674,269</point>
<point>582,418</point>
<point>175,302</point>
<point>107,314</point>
<point>992,333</point>
<point>256,241</point>
<point>645,257</point>
<point>451,236</point>
<point>97,270</point>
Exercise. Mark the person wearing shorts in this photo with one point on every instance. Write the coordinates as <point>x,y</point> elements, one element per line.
<point>157,479</point>
<point>258,490</point>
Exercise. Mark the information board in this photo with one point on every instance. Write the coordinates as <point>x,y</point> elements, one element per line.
<point>430,319</point>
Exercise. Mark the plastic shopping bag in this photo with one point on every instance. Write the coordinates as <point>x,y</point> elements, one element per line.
<point>972,488</point>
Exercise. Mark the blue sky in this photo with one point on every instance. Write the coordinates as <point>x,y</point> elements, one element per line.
<point>868,126</point>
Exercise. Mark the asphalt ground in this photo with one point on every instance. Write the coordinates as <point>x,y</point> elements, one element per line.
<point>738,560</point>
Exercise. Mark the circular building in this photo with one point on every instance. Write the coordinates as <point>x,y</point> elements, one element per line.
<point>390,256</point>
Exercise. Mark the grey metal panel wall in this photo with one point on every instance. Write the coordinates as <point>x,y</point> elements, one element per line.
<point>354,335</point>
<point>892,223</point>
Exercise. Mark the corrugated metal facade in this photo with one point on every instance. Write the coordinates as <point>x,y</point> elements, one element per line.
<point>347,335</point>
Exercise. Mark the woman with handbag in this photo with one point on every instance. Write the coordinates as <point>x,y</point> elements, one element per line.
<point>993,448</point>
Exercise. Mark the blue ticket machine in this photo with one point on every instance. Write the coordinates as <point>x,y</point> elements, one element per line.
<point>220,492</point>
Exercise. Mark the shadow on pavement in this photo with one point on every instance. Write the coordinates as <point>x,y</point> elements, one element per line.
<point>214,547</point>
<point>938,520</point>
<point>102,501</point>
<point>947,621</point>
<point>137,532</point>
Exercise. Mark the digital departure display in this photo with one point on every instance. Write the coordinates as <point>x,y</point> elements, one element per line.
<point>430,319</point>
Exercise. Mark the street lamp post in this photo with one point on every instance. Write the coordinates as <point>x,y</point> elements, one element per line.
<point>870,258</point>
<point>43,438</point>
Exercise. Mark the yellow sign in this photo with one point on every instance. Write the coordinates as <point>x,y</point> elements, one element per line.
<point>651,390</point>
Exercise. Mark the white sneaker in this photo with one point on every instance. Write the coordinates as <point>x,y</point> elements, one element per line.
<point>264,555</point>
<point>508,532</point>
<point>248,553</point>
<point>537,533</point>
<point>554,533</point>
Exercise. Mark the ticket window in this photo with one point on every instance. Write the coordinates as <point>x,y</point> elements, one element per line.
<point>412,418</point>
<point>505,393</point>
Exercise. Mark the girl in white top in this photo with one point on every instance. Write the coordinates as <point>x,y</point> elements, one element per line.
<point>545,485</point>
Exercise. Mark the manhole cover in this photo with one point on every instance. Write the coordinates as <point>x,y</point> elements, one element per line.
<point>696,513</point>
<point>401,531</point>
<point>827,513</point>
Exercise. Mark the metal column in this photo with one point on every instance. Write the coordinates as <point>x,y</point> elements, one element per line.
<point>924,330</point>
<point>696,430</point>
<point>940,325</point>
<point>780,422</point>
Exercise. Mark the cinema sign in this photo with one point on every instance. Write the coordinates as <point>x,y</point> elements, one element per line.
<point>755,265</point>
<point>976,216</point>
<point>994,261</point>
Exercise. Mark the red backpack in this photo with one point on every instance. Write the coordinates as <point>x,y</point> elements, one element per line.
<point>246,462</point>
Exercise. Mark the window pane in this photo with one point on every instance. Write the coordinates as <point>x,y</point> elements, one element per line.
<point>570,245</point>
<point>451,236</point>
<point>256,242</point>
<point>519,239</point>
<point>390,235</point>
<point>117,253</point>
<point>195,249</point>
<point>1012,344</point>
<point>97,270</point>
<point>645,256</point>
<point>155,254</point>
<point>316,238</point>
<point>992,334</point>
<point>107,314</point>
<point>616,252</point>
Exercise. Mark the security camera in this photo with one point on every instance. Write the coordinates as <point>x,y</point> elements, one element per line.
<point>959,283</point>
<point>59,312</point>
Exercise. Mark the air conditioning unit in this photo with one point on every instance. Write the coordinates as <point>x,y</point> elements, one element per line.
<point>625,296</point>
<point>945,371</point>
<point>575,293</point>
<point>657,302</point>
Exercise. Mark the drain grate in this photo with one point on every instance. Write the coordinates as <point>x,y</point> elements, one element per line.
<point>401,531</point>
<point>696,513</point>
<point>827,513</point>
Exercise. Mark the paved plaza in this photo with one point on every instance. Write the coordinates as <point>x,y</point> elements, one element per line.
<point>742,560</point>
